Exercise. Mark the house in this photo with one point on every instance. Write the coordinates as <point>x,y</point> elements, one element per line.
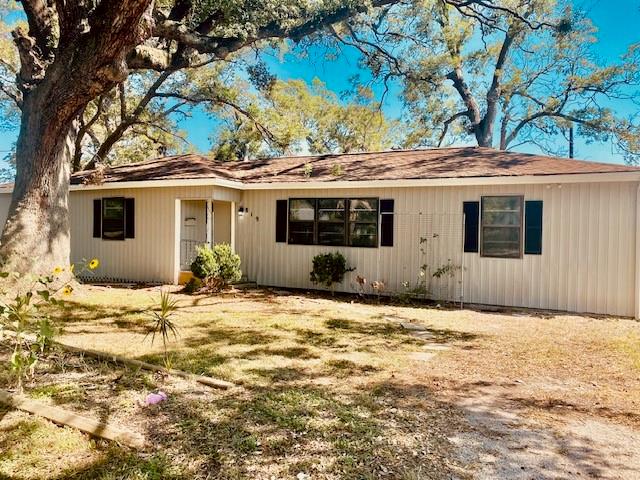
<point>463,224</point>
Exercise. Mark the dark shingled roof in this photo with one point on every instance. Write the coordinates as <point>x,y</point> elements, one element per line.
<point>454,162</point>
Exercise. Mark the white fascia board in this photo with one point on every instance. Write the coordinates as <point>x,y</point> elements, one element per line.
<point>434,182</point>
<point>195,182</point>
<point>452,182</point>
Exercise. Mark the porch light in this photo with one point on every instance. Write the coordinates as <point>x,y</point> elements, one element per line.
<point>242,211</point>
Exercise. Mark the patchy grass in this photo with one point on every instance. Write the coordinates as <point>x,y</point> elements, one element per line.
<point>329,388</point>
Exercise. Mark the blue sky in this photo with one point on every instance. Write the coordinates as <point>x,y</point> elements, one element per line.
<point>617,25</point>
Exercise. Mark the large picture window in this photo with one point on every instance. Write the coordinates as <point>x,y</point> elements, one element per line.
<point>113,218</point>
<point>501,233</point>
<point>334,221</point>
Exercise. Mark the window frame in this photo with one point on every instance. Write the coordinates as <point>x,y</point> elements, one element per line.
<point>105,220</point>
<point>344,222</point>
<point>358,222</point>
<point>314,221</point>
<point>519,226</point>
<point>347,242</point>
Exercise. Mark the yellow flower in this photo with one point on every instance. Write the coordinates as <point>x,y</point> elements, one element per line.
<point>67,290</point>
<point>93,264</point>
<point>58,270</point>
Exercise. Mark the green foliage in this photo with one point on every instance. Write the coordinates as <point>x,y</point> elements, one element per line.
<point>25,303</point>
<point>526,82</point>
<point>329,269</point>
<point>162,323</point>
<point>291,117</point>
<point>218,263</point>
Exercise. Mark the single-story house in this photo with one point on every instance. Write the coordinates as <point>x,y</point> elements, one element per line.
<point>463,224</point>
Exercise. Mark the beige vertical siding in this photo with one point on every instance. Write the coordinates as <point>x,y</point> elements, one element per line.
<point>587,265</point>
<point>5,202</point>
<point>150,256</point>
<point>221,222</point>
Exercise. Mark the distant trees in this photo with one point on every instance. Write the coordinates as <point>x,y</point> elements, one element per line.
<point>503,80</point>
<point>291,117</point>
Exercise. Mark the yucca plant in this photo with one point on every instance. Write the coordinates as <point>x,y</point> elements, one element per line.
<point>162,322</point>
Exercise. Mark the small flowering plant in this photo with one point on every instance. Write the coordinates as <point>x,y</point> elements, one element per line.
<point>24,305</point>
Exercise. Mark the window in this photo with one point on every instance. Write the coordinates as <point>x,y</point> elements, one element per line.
<point>113,218</point>
<point>363,222</point>
<point>334,221</point>
<point>501,233</point>
<point>302,216</point>
<point>331,221</point>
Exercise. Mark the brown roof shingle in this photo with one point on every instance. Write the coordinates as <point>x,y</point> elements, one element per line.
<point>455,162</point>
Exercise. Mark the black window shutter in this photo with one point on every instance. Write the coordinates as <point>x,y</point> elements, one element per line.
<point>533,227</point>
<point>386,223</point>
<point>130,218</point>
<point>97,218</point>
<point>471,220</point>
<point>281,221</point>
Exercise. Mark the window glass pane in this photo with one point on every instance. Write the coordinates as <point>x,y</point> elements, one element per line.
<point>364,216</point>
<point>113,208</point>
<point>301,232</point>
<point>501,226</point>
<point>302,210</point>
<point>501,218</point>
<point>501,234</point>
<point>113,218</point>
<point>363,234</point>
<point>363,210</point>
<point>331,210</point>
<point>331,233</point>
<point>501,204</point>
<point>364,204</point>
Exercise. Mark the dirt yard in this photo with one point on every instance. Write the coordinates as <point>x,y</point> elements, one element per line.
<point>333,389</point>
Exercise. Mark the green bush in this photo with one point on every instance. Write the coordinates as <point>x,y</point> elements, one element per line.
<point>218,262</point>
<point>329,268</point>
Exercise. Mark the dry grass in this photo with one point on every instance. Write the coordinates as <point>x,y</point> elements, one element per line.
<point>330,388</point>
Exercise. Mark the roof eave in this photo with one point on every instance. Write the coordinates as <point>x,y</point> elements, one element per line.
<point>623,176</point>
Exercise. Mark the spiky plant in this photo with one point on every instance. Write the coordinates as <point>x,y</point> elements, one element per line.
<point>162,321</point>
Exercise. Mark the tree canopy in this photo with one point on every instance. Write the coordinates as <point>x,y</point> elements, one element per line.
<point>503,80</point>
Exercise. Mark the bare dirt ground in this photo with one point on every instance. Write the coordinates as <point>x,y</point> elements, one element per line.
<point>336,389</point>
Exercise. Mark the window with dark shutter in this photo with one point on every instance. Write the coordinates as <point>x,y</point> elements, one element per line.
<point>471,212</point>
<point>281,221</point>
<point>501,228</point>
<point>533,227</point>
<point>97,218</point>
<point>130,218</point>
<point>386,223</point>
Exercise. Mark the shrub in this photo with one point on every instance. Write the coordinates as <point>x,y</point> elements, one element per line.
<point>329,269</point>
<point>218,263</point>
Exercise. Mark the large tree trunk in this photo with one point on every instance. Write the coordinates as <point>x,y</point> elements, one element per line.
<point>36,236</point>
<point>57,84</point>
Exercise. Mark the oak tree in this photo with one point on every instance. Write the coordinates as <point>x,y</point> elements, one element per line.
<point>73,52</point>
<point>500,80</point>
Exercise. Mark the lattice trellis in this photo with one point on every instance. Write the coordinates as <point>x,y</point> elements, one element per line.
<point>435,243</point>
